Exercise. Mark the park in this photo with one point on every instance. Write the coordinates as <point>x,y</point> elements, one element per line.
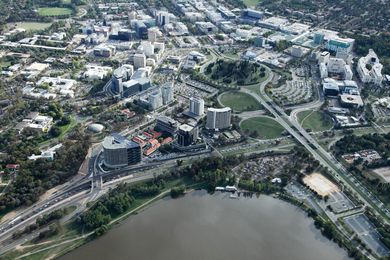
<point>237,72</point>
<point>239,101</point>
<point>54,11</point>
<point>262,128</point>
<point>316,121</point>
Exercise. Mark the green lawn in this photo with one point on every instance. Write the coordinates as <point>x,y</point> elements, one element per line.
<point>66,128</point>
<point>32,26</point>
<point>4,64</point>
<point>54,11</point>
<point>251,3</point>
<point>315,120</point>
<point>262,128</point>
<point>239,101</point>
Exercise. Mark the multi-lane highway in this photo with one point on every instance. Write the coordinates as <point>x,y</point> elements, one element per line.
<point>83,188</point>
<point>326,159</point>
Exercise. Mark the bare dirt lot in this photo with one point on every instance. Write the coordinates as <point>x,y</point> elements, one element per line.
<point>383,173</point>
<point>320,184</point>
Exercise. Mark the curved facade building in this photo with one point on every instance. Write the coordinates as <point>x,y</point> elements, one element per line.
<point>119,151</point>
<point>218,118</point>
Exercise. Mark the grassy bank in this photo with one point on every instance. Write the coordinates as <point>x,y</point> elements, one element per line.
<point>72,235</point>
<point>30,26</point>
<point>315,120</point>
<point>262,128</point>
<point>239,101</point>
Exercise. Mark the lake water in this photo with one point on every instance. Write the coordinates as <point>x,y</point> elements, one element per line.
<point>202,226</point>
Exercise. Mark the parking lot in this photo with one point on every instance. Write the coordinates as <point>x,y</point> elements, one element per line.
<point>189,91</point>
<point>339,202</point>
<point>366,231</point>
<point>189,88</point>
<point>303,193</point>
<point>293,92</point>
<point>296,190</point>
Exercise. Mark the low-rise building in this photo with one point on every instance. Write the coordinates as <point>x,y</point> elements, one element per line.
<point>335,66</point>
<point>206,27</point>
<point>337,43</point>
<point>370,69</point>
<point>34,69</point>
<point>46,154</point>
<point>104,51</point>
<point>35,121</point>
<point>94,72</point>
<point>347,100</point>
<point>65,87</point>
<point>166,124</point>
<point>251,16</point>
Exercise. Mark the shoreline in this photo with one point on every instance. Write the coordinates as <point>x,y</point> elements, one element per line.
<point>90,236</point>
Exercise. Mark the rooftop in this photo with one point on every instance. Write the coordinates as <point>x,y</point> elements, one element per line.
<point>117,141</point>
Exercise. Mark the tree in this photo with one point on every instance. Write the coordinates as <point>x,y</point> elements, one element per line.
<point>101,230</point>
<point>178,191</point>
<point>65,120</point>
<point>326,198</point>
<point>55,131</point>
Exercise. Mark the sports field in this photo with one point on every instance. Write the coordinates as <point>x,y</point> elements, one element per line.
<point>263,127</point>
<point>239,101</point>
<point>32,26</point>
<point>54,11</point>
<point>251,3</point>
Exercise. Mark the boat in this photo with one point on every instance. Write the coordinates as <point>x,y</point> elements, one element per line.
<point>233,196</point>
<point>230,188</point>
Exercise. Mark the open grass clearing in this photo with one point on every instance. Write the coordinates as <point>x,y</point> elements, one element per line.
<point>30,26</point>
<point>4,64</point>
<point>251,3</point>
<point>54,11</point>
<point>239,101</point>
<point>315,120</point>
<point>262,128</point>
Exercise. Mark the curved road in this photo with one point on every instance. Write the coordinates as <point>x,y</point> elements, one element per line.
<point>336,168</point>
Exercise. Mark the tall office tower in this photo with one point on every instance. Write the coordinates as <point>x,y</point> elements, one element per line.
<point>119,151</point>
<point>155,100</point>
<point>197,106</point>
<point>139,60</point>
<point>218,118</point>
<point>187,135</point>
<point>153,34</point>
<point>167,92</point>
<point>162,18</point>
<point>117,80</point>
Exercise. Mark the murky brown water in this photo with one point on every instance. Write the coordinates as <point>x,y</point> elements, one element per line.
<point>201,226</point>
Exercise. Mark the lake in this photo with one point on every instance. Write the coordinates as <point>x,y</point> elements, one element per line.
<point>202,226</point>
